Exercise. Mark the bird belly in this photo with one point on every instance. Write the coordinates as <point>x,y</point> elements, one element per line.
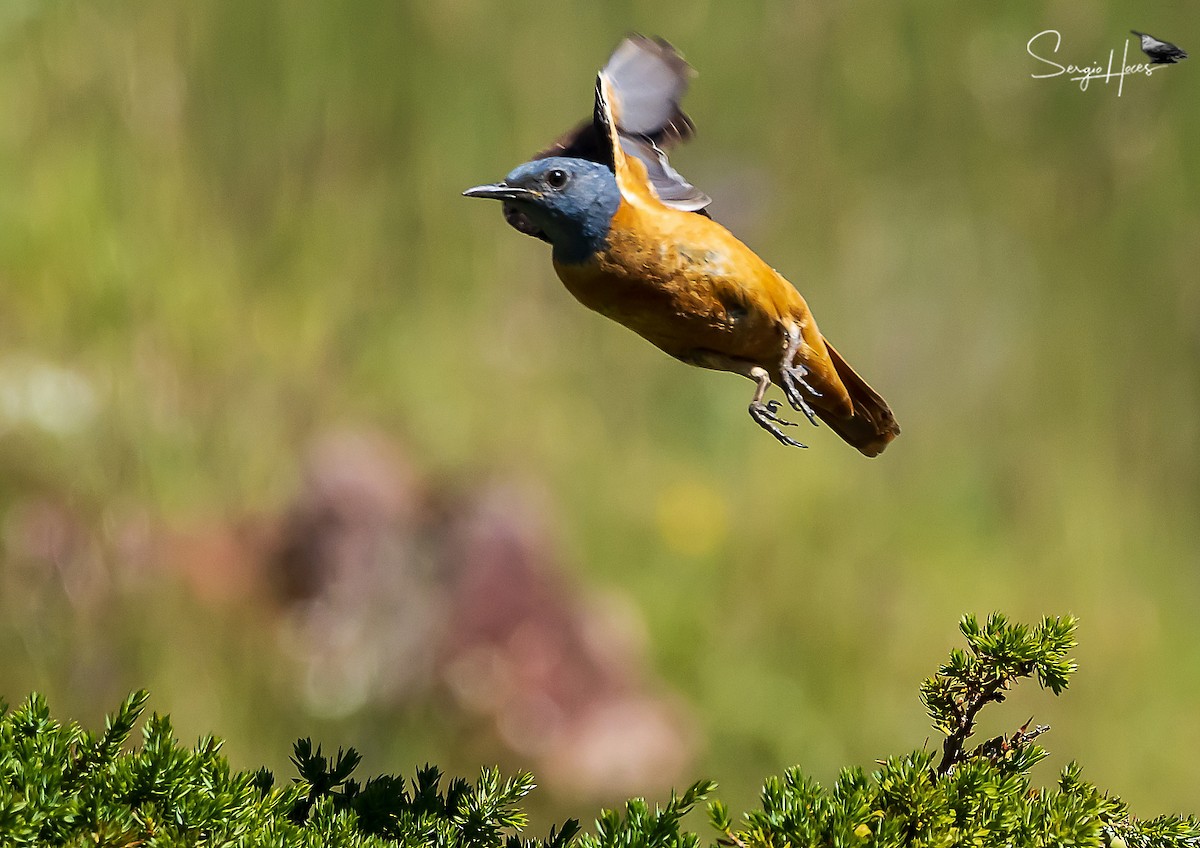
<point>677,308</point>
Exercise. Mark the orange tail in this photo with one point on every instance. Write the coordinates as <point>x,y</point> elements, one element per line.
<point>872,425</point>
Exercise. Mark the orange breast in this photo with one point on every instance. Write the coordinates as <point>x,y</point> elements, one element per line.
<point>670,282</point>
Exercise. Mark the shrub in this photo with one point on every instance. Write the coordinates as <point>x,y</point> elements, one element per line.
<point>61,785</point>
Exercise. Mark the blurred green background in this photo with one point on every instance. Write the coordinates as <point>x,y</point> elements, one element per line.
<point>230,229</point>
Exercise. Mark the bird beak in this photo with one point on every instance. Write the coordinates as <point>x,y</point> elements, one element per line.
<point>501,191</point>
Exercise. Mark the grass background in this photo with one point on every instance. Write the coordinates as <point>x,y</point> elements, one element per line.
<point>227,227</point>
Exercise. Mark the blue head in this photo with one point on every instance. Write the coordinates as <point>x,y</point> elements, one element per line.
<point>570,201</point>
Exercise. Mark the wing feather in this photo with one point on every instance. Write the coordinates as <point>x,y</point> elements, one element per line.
<point>646,80</point>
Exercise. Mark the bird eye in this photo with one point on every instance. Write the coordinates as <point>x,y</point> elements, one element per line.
<point>557,178</point>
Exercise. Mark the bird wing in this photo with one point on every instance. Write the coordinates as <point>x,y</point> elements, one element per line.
<point>670,185</point>
<point>650,78</point>
<point>652,174</point>
<point>646,78</point>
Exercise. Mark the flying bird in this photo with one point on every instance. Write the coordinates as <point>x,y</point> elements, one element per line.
<point>1160,52</point>
<point>632,240</point>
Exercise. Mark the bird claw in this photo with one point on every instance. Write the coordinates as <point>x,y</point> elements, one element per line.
<point>793,382</point>
<point>793,374</point>
<point>772,412</point>
<point>766,415</point>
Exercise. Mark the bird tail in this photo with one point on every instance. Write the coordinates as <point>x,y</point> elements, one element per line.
<point>872,426</point>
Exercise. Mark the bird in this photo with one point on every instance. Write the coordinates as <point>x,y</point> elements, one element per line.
<point>633,240</point>
<point>1160,52</point>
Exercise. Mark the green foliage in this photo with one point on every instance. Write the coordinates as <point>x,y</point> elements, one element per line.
<point>639,828</point>
<point>982,797</point>
<point>60,785</point>
<point>1000,655</point>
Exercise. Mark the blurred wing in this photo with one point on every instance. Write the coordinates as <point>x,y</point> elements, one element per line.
<point>646,78</point>
<point>649,78</point>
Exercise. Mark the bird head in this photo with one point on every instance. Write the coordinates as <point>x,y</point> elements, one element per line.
<point>570,201</point>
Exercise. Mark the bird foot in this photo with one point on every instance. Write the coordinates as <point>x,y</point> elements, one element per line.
<point>793,374</point>
<point>793,382</point>
<point>766,415</point>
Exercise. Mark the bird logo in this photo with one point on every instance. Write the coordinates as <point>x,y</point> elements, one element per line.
<point>1160,52</point>
<point>632,239</point>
